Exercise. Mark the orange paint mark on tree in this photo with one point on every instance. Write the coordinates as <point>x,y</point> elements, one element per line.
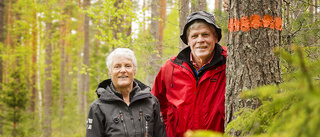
<point>278,23</point>
<point>236,25</point>
<point>254,22</point>
<point>231,25</point>
<point>267,19</point>
<point>245,24</point>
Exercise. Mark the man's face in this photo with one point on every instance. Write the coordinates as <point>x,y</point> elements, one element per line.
<point>202,41</point>
<point>122,72</point>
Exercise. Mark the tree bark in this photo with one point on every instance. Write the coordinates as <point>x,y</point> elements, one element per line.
<point>34,62</point>
<point>251,61</point>
<point>48,77</point>
<point>63,73</point>
<point>116,22</point>
<point>218,5</point>
<point>198,5</point>
<point>86,57</point>
<point>154,31</point>
<point>2,9</point>
<point>162,26</point>
<point>183,14</point>
<point>79,62</point>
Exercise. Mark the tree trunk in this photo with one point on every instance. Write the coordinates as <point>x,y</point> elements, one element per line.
<point>311,10</point>
<point>117,21</point>
<point>39,101</point>
<point>198,5</point>
<point>2,7</point>
<point>34,61</point>
<point>48,77</point>
<point>79,62</point>
<point>162,26</point>
<point>144,19</point>
<point>316,11</point>
<point>69,48</point>
<point>217,5</point>
<point>251,61</point>
<point>128,30</point>
<point>63,73</point>
<point>154,31</point>
<point>183,14</point>
<point>86,57</point>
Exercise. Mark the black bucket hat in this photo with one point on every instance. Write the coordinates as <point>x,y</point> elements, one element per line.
<point>200,15</point>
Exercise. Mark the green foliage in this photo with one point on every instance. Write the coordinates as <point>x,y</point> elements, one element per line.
<point>202,133</point>
<point>290,109</point>
<point>15,98</point>
<point>222,18</point>
<point>109,18</point>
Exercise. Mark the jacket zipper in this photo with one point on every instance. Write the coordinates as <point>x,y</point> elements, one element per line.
<point>141,122</point>
<point>132,122</point>
<point>147,117</point>
<point>124,124</point>
<point>172,77</point>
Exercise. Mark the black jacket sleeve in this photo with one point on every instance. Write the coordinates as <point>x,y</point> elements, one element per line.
<point>159,127</point>
<point>95,125</point>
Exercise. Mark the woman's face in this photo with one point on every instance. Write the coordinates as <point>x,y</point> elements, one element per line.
<point>122,72</point>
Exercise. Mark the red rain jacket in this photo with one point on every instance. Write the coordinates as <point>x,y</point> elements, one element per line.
<point>188,101</point>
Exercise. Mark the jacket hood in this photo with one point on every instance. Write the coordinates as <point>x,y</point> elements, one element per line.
<point>107,92</point>
<point>200,15</point>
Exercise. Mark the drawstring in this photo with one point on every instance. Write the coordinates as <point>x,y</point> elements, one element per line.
<point>172,77</point>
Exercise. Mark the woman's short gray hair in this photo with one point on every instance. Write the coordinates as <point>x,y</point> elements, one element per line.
<point>121,52</point>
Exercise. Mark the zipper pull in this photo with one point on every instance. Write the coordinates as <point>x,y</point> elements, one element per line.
<point>140,115</point>
<point>121,116</point>
<point>147,117</point>
<point>146,134</point>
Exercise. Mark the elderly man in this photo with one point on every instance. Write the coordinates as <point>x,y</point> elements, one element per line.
<point>191,85</point>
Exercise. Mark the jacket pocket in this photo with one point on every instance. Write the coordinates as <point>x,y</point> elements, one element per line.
<point>173,120</point>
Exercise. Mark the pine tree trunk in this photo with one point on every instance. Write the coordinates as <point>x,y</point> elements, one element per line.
<point>117,21</point>
<point>198,5</point>
<point>2,7</point>
<point>251,61</point>
<point>154,31</point>
<point>144,19</point>
<point>184,12</point>
<point>162,26</point>
<point>79,62</point>
<point>86,57</point>
<point>48,78</point>
<point>62,29</point>
<point>217,5</point>
<point>34,62</point>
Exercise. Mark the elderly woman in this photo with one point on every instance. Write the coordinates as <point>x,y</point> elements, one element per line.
<point>125,107</point>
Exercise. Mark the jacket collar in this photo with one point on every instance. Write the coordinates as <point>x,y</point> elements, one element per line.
<point>106,91</point>
<point>217,60</point>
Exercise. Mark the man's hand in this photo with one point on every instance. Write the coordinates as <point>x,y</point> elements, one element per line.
<point>226,5</point>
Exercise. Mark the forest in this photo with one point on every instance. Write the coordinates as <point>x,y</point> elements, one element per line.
<point>53,53</point>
